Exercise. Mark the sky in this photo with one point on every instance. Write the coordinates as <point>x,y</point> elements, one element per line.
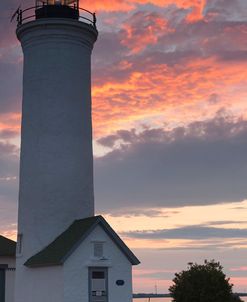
<point>169,92</point>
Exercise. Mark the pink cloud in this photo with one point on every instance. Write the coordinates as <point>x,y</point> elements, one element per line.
<point>239,269</point>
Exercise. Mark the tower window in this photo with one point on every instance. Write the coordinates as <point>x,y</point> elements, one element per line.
<point>98,249</point>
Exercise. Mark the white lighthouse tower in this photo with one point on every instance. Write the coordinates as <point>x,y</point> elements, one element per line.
<point>64,252</point>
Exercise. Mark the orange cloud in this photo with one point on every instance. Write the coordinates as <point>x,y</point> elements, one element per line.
<point>10,122</point>
<point>173,95</point>
<point>195,6</point>
<point>197,9</point>
<point>138,37</point>
<point>107,5</point>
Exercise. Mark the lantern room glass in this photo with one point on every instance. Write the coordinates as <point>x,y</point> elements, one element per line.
<point>56,2</point>
<point>57,9</point>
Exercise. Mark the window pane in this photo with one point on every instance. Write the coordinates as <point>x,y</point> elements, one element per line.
<point>98,275</point>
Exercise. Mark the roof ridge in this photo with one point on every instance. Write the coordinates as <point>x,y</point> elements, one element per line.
<point>65,244</point>
<point>7,238</point>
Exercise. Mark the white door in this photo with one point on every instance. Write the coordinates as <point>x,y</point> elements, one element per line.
<point>98,284</point>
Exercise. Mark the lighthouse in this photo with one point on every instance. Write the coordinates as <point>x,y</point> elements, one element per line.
<point>64,253</point>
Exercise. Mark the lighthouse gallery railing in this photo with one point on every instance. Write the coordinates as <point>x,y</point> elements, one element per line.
<point>29,14</point>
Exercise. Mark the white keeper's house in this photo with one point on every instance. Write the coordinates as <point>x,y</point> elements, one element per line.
<point>64,252</point>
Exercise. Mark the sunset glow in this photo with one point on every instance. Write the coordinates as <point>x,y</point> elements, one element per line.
<point>169,100</point>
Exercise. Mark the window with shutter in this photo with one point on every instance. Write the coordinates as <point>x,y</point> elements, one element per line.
<point>98,249</point>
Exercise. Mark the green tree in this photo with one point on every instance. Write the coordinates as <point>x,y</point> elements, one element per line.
<point>202,283</point>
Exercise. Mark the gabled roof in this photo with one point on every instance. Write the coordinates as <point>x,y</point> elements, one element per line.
<point>7,247</point>
<point>64,245</point>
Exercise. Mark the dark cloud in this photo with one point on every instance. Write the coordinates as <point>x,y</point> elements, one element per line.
<point>195,246</point>
<point>6,134</point>
<point>7,29</point>
<point>224,222</point>
<point>10,95</point>
<point>188,232</point>
<point>225,10</point>
<point>221,39</point>
<point>239,208</point>
<point>9,161</point>
<point>10,66</point>
<point>158,275</point>
<point>240,55</point>
<point>137,212</point>
<point>156,259</point>
<point>108,43</point>
<point>203,163</point>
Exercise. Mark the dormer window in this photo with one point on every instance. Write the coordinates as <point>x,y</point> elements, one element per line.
<point>98,249</point>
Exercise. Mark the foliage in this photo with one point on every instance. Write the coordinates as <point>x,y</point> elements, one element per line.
<point>202,283</point>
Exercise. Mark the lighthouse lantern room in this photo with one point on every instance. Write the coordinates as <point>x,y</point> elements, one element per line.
<point>64,252</point>
<point>57,8</point>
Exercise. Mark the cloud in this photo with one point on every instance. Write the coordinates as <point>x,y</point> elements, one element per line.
<point>167,69</point>
<point>239,208</point>
<point>9,160</point>
<point>138,37</point>
<point>7,29</point>
<point>188,232</point>
<point>169,61</point>
<point>148,60</point>
<point>157,275</point>
<point>10,67</point>
<point>9,163</point>
<point>203,163</point>
<point>10,94</point>
<point>239,269</point>
<point>138,212</point>
<point>225,222</point>
<point>225,10</point>
<point>7,133</point>
<point>176,94</point>
<point>193,7</point>
<point>9,126</point>
<point>154,261</point>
